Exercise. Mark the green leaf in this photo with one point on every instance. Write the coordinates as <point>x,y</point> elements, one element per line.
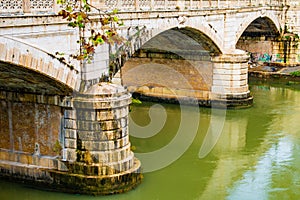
<point>115,19</point>
<point>115,11</point>
<point>79,18</point>
<point>100,40</point>
<point>136,101</point>
<point>72,24</point>
<point>81,25</point>
<point>69,8</point>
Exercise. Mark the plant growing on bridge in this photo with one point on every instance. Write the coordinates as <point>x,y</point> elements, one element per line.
<point>295,73</point>
<point>84,16</point>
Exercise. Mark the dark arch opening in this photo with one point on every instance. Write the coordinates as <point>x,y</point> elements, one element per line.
<point>262,26</point>
<point>15,78</point>
<point>259,39</point>
<point>181,42</point>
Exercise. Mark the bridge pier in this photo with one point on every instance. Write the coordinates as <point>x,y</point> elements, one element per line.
<point>230,80</point>
<point>76,144</point>
<point>97,151</point>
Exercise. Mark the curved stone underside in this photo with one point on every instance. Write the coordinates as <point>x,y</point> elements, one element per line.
<point>174,63</point>
<point>182,41</point>
<point>262,26</point>
<point>19,79</point>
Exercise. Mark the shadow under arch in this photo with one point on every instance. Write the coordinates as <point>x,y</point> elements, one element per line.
<point>27,68</point>
<point>183,51</point>
<point>259,26</point>
<point>184,39</point>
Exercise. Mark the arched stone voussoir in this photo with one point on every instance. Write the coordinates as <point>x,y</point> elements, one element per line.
<point>251,18</point>
<point>17,53</point>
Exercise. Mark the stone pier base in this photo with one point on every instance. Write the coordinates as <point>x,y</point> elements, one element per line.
<point>78,144</point>
<point>53,179</point>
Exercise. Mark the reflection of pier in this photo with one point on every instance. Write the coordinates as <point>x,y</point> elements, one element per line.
<point>241,166</point>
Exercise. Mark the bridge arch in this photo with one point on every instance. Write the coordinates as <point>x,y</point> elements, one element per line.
<point>266,17</point>
<point>183,38</point>
<point>140,35</point>
<point>174,63</point>
<point>27,68</point>
<point>193,29</point>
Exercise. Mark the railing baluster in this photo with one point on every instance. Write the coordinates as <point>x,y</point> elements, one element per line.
<point>26,6</point>
<point>137,4</point>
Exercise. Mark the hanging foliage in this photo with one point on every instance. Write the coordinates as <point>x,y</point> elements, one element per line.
<point>82,15</point>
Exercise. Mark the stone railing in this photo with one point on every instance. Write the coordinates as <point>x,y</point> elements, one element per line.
<point>28,6</point>
<point>136,5</point>
<point>50,6</point>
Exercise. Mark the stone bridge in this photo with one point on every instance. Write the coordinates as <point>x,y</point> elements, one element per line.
<point>58,122</point>
<point>213,28</point>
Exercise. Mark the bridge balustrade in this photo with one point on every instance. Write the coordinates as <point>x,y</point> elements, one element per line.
<point>15,7</point>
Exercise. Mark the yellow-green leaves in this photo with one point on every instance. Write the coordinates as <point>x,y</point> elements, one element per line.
<point>77,13</point>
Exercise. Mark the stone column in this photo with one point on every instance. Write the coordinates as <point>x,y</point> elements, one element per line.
<point>98,157</point>
<point>230,80</point>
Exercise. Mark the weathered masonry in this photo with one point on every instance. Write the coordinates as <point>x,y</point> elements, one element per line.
<point>60,126</point>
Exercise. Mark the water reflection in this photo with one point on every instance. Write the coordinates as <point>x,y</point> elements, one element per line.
<point>257,155</point>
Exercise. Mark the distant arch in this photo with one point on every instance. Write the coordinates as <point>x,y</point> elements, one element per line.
<point>269,18</point>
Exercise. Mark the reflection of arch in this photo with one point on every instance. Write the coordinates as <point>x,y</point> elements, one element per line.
<point>28,68</point>
<point>270,18</point>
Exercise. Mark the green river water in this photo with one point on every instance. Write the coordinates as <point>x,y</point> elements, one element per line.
<point>190,153</point>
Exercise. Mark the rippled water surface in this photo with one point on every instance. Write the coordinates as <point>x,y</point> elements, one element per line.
<point>191,153</point>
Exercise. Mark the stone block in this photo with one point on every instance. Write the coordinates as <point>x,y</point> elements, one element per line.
<point>70,143</point>
<point>50,69</point>
<point>4,155</point>
<point>111,114</point>
<point>44,162</point>
<point>167,91</point>
<point>113,124</point>
<point>35,160</point>
<point>70,133</point>
<point>9,55</point>
<point>111,155</point>
<point>53,163</point>
<point>157,90</point>
<point>230,83</point>
<point>91,135</point>
<point>3,51</point>
<point>60,74</point>
<point>70,114</point>
<point>61,166</point>
<point>16,56</point>
<point>41,65</point>
<point>88,125</point>
<point>71,155</point>
<point>233,90</point>
<point>25,159</point>
<point>70,124</point>
<point>86,114</point>
<point>143,90</point>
